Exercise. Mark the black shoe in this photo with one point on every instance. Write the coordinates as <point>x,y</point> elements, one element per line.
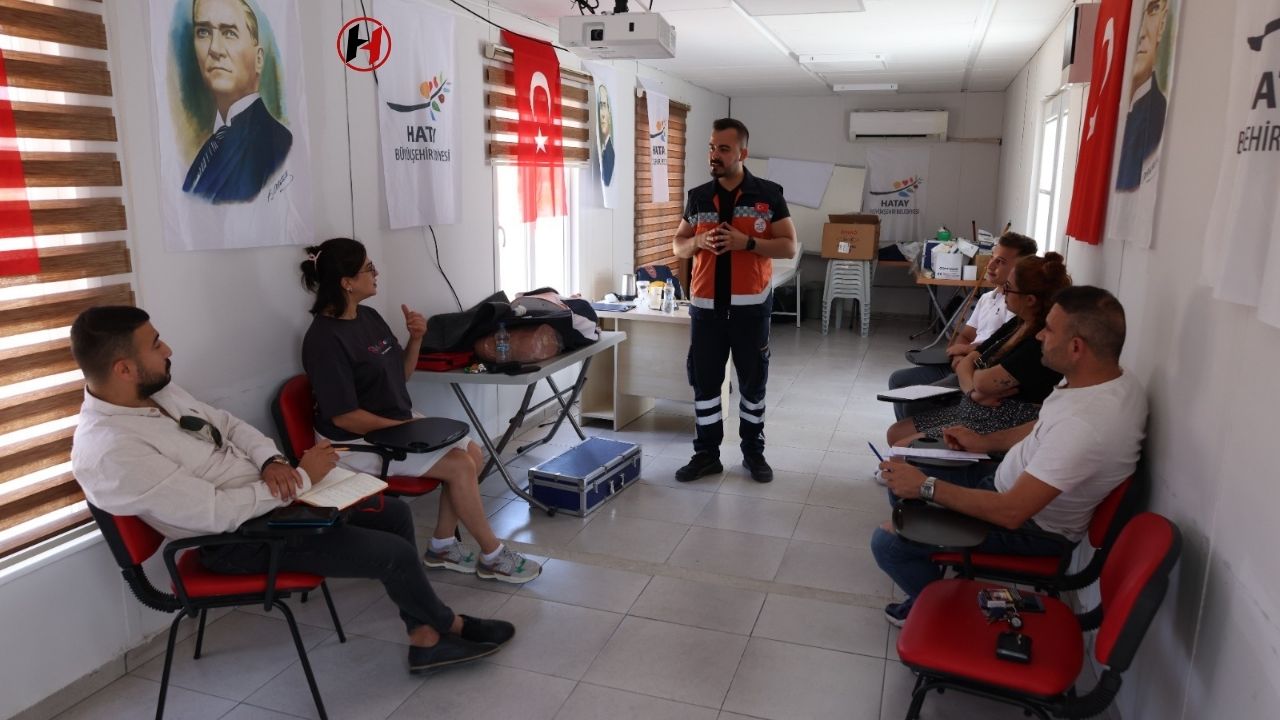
<point>758,467</point>
<point>699,465</point>
<point>451,650</point>
<point>495,632</point>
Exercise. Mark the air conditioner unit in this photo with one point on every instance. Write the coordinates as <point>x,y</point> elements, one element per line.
<point>1077,57</point>
<point>898,125</point>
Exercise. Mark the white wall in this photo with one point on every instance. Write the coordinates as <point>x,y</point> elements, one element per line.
<point>1214,649</point>
<point>236,318</point>
<point>962,175</point>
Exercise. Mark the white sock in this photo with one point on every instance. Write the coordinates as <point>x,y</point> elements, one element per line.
<point>440,545</point>
<point>490,557</point>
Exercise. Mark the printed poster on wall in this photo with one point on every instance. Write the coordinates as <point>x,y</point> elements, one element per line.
<point>659,106</point>
<point>416,116</point>
<point>232,123</point>
<point>1132,209</point>
<point>604,89</point>
<point>896,191</point>
<point>1241,255</point>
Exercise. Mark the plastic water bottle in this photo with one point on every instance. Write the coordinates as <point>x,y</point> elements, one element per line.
<point>503,343</point>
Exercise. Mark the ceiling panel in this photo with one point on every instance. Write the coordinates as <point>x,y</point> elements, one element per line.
<point>761,8</point>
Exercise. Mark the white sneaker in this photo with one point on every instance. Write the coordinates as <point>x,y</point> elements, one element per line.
<point>879,478</point>
<point>510,567</point>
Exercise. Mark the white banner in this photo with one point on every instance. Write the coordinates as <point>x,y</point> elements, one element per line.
<point>804,182</point>
<point>1131,211</point>
<point>659,115</point>
<point>1241,257</point>
<point>896,191</point>
<point>231,124</point>
<point>605,95</point>
<point>416,116</point>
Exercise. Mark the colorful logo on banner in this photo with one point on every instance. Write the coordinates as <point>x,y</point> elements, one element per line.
<point>18,254</point>
<point>434,90</point>
<point>367,36</point>
<point>902,188</point>
<point>1092,185</point>
<point>540,138</point>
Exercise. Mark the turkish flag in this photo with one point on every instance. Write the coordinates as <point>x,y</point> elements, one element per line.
<point>540,144</point>
<point>18,254</point>
<point>1092,185</point>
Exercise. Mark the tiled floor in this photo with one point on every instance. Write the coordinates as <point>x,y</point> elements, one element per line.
<point>721,598</point>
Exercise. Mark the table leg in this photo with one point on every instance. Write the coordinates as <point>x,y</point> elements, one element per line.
<point>495,453</point>
<point>565,407</point>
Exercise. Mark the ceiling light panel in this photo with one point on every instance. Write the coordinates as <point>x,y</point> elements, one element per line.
<point>843,62</point>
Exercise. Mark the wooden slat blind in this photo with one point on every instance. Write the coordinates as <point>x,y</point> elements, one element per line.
<point>82,259</point>
<point>656,223</point>
<point>500,108</point>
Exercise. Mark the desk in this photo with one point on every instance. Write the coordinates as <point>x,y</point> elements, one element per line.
<point>457,378</point>
<point>932,285</point>
<point>651,364</point>
<point>931,524</point>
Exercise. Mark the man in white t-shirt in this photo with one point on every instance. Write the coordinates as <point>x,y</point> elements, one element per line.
<point>1085,443</point>
<point>989,313</point>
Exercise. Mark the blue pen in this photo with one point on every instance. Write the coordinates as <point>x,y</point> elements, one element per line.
<point>877,452</point>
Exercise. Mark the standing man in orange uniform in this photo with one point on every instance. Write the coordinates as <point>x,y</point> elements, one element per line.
<point>733,227</point>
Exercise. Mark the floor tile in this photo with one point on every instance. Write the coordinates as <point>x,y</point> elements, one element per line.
<point>554,638</point>
<point>848,492</point>
<point>831,567</point>
<point>750,515</point>
<point>795,460</point>
<point>628,537</point>
<point>524,523</point>
<point>586,585</point>
<point>954,705</point>
<point>704,605</point>
<point>135,697</point>
<point>834,626</point>
<point>382,619</point>
<point>252,712</point>
<point>659,502</point>
<point>661,470</point>
<point>675,662</point>
<point>485,691</point>
<point>241,653</point>
<point>786,486</point>
<point>592,702</point>
<point>729,553</point>
<point>783,681</point>
<point>851,464</point>
<point>837,526</point>
<point>351,596</point>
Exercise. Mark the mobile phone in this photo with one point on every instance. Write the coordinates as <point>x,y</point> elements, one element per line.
<point>1014,647</point>
<point>1031,603</point>
<point>302,516</point>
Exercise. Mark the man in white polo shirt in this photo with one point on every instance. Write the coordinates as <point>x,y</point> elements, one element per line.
<point>1086,442</point>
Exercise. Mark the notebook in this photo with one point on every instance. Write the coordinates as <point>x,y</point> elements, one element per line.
<point>916,392</point>
<point>342,488</point>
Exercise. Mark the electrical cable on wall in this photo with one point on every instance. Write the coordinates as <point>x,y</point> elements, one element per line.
<point>440,267</point>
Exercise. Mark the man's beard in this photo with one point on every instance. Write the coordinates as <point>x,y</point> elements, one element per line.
<point>718,170</point>
<point>149,385</point>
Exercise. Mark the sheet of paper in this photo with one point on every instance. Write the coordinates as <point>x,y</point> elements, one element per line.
<point>917,392</point>
<point>938,454</point>
<point>342,488</point>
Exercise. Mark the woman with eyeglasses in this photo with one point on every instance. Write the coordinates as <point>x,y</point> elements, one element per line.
<point>359,373</point>
<point>1003,380</point>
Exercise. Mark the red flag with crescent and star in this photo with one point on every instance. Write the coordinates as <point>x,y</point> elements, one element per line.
<point>1092,186</point>
<point>540,143</point>
<point>18,254</point>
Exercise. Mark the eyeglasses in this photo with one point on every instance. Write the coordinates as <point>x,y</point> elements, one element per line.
<point>369,269</point>
<point>195,424</point>
<point>1010,291</point>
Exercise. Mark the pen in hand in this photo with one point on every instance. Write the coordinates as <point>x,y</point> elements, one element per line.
<point>877,452</point>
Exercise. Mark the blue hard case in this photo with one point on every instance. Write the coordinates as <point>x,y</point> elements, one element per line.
<point>580,480</point>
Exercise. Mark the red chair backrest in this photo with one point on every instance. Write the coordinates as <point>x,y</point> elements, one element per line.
<point>1108,512</point>
<point>294,413</point>
<point>130,538</point>
<point>1133,584</point>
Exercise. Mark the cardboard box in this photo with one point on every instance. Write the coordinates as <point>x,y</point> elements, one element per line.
<point>949,266</point>
<point>851,237</point>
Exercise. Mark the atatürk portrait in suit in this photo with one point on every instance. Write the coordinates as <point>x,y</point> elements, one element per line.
<point>1144,125</point>
<point>247,144</point>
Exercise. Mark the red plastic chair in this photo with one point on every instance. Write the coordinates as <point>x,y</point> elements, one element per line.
<point>1049,573</point>
<point>293,410</point>
<point>197,589</point>
<point>949,642</point>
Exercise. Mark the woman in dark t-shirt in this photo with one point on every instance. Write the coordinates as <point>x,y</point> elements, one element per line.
<point>359,373</point>
<point>1003,380</point>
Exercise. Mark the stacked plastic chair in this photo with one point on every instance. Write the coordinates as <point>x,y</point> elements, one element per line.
<point>847,279</point>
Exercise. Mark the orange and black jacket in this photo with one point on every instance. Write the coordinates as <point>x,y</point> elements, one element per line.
<point>739,277</point>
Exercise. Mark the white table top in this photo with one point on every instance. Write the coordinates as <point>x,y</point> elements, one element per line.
<point>545,368</point>
<point>643,313</point>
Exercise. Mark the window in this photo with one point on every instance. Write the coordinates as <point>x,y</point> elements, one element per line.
<point>537,254</point>
<point>1047,183</point>
<point>59,90</point>
<point>656,223</point>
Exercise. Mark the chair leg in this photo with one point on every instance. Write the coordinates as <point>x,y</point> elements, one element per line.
<point>302,656</point>
<point>305,593</point>
<point>168,663</point>
<point>333,612</point>
<point>199,636</point>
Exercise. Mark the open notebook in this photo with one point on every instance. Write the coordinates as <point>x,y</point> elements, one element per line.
<point>342,488</point>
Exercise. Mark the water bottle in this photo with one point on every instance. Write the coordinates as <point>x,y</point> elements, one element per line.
<point>503,343</point>
<point>669,298</point>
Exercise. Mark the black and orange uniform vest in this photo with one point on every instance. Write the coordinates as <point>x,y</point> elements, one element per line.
<point>739,277</point>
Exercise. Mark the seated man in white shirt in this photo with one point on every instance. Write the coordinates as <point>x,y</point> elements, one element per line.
<point>989,313</point>
<point>1086,442</point>
<point>146,447</point>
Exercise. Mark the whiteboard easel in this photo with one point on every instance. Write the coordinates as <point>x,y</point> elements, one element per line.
<point>844,195</point>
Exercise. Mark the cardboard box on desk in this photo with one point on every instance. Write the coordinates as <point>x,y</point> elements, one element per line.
<point>851,237</point>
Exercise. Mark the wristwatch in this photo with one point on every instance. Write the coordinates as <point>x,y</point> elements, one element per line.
<point>926,488</point>
<point>274,459</point>
<point>751,244</point>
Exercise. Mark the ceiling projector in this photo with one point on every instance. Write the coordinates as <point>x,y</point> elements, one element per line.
<point>623,36</point>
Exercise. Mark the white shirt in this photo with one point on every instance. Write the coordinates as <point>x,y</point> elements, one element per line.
<point>236,108</point>
<point>989,314</point>
<point>138,461</point>
<point>1086,442</point>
